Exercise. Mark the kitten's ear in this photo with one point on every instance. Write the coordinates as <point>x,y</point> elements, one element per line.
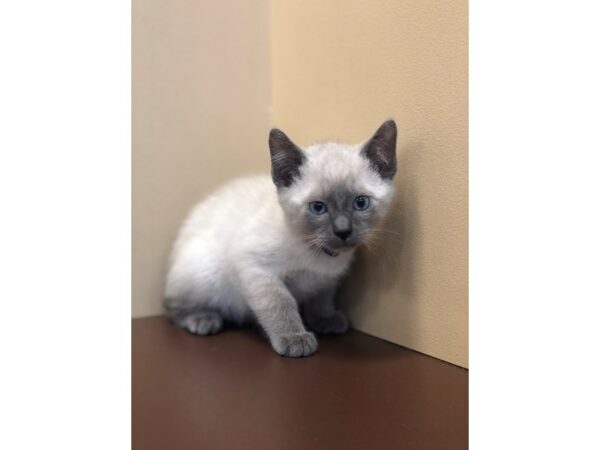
<point>380,150</point>
<point>286,158</point>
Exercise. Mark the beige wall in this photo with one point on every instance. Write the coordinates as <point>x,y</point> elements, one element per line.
<point>202,88</point>
<point>200,116</point>
<point>339,68</point>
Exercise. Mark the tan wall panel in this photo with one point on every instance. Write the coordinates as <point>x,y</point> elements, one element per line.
<point>339,68</point>
<point>200,116</point>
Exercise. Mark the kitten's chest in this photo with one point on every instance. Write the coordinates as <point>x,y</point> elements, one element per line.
<point>304,284</point>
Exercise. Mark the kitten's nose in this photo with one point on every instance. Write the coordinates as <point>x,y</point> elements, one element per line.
<point>343,234</point>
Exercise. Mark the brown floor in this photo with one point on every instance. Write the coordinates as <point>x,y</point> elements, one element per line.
<point>231,391</point>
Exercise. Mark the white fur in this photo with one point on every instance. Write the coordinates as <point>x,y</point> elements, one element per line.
<point>238,240</point>
<point>239,229</point>
<point>334,163</point>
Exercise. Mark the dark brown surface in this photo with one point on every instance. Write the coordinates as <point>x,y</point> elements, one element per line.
<point>231,391</point>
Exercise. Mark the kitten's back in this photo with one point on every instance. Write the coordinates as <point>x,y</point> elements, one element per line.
<point>222,213</point>
<point>211,236</point>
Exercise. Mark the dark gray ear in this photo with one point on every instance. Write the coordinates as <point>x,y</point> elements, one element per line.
<point>286,158</point>
<point>380,150</point>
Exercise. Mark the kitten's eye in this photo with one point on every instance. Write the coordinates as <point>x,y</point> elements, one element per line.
<point>361,203</point>
<point>317,208</point>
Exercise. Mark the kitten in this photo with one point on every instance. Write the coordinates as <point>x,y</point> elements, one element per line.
<point>263,248</point>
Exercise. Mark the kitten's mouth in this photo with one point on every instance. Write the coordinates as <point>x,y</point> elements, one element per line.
<point>329,251</point>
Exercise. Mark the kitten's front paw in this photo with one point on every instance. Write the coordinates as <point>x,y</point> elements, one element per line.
<point>335,324</point>
<point>295,344</point>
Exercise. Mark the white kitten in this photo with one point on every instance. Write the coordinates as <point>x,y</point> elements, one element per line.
<point>265,248</point>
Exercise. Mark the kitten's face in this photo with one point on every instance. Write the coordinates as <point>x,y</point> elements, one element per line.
<point>334,194</point>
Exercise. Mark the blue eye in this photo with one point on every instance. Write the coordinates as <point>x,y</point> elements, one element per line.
<point>317,208</point>
<point>361,203</point>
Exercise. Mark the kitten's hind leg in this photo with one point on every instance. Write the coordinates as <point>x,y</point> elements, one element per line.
<point>203,323</point>
<point>196,321</point>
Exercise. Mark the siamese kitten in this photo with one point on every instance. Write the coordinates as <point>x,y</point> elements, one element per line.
<point>268,248</point>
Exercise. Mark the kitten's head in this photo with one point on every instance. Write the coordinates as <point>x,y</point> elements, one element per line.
<point>333,194</point>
